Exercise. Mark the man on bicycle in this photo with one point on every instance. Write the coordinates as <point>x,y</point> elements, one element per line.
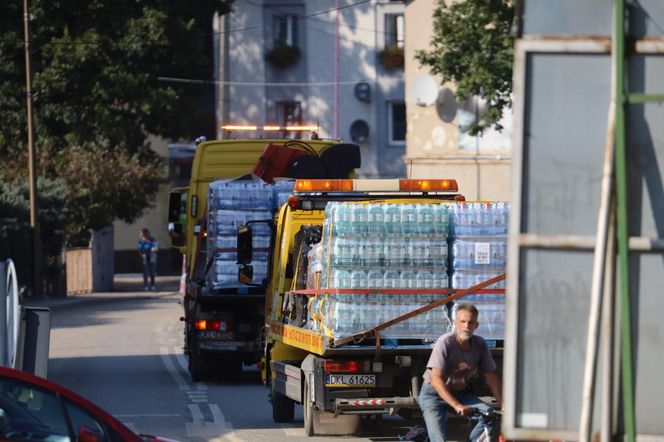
<point>456,358</point>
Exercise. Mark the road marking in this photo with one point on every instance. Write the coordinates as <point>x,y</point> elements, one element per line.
<point>196,414</point>
<point>216,431</point>
<point>166,359</point>
<point>217,415</point>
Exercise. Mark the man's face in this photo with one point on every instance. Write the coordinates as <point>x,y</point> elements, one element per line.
<point>465,324</point>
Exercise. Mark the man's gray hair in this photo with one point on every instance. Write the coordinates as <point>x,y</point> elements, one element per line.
<point>469,308</point>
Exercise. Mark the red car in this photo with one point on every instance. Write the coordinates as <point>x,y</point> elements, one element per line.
<point>35,409</point>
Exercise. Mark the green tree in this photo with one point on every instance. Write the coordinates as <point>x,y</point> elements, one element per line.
<point>97,96</point>
<point>472,46</point>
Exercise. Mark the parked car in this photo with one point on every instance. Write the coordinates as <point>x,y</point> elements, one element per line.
<point>35,409</point>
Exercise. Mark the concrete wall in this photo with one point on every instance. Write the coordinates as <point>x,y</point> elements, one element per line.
<point>249,87</point>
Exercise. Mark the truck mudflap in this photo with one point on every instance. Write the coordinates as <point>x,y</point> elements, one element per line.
<point>364,405</point>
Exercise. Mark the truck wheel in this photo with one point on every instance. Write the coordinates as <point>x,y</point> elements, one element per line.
<point>283,407</point>
<point>311,414</point>
<point>195,366</point>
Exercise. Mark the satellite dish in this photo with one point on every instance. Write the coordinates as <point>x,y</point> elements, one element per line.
<point>446,105</point>
<point>359,131</point>
<point>424,90</point>
<point>363,91</point>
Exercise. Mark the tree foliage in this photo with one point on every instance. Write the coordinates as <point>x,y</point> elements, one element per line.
<point>97,96</point>
<point>472,46</point>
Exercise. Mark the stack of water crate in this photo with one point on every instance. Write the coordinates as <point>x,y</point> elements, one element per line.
<point>478,253</point>
<point>379,246</point>
<point>232,203</point>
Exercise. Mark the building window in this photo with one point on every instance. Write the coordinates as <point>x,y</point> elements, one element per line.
<point>396,114</point>
<point>289,113</point>
<point>394,30</point>
<point>285,30</point>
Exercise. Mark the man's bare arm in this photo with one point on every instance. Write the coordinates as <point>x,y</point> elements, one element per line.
<point>495,385</point>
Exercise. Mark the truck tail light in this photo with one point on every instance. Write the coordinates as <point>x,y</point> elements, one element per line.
<point>347,366</point>
<point>204,324</point>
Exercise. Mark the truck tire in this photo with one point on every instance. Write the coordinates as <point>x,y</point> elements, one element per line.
<point>195,366</point>
<point>283,407</point>
<point>311,414</point>
<point>196,363</point>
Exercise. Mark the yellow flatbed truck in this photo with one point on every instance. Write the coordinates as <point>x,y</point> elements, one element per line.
<point>223,322</point>
<point>353,339</point>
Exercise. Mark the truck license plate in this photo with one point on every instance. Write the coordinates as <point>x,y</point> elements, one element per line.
<point>350,380</point>
<point>214,334</point>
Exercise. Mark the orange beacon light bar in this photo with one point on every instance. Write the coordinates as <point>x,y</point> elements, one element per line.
<point>269,128</point>
<point>375,185</point>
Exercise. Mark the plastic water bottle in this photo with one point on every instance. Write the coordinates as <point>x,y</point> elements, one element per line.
<point>407,279</point>
<point>373,251</point>
<point>339,250</point>
<point>408,219</point>
<point>358,279</point>
<point>400,250</point>
<point>424,280</point>
<point>341,218</point>
<point>438,252</point>
<point>439,280</point>
<point>392,219</point>
<point>375,279</point>
<point>358,219</point>
<point>375,219</point>
<point>441,220</point>
<point>391,279</point>
<point>341,279</point>
<point>424,218</point>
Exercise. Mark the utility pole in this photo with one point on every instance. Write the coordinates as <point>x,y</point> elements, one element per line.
<point>32,167</point>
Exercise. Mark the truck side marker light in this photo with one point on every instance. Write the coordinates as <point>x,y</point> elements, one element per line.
<point>293,202</point>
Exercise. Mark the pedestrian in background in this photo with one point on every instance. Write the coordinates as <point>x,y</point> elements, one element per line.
<point>147,247</point>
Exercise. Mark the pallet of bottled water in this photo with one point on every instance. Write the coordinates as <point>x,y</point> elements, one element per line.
<point>382,246</point>
<point>231,204</point>
<point>478,253</point>
<point>342,315</point>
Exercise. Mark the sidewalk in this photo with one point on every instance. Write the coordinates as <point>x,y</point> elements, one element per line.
<point>124,286</point>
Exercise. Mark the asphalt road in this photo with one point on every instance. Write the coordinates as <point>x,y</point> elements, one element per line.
<point>123,351</point>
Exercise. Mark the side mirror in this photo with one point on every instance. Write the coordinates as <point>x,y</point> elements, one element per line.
<point>244,244</point>
<point>86,434</point>
<point>245,274</point>
<point>174,206</point>
<point>177,237</point>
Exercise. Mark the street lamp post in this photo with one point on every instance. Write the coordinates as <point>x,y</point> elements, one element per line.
<point>32,167</point>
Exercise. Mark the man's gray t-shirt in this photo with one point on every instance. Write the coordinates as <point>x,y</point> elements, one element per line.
<point>459,365</point>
